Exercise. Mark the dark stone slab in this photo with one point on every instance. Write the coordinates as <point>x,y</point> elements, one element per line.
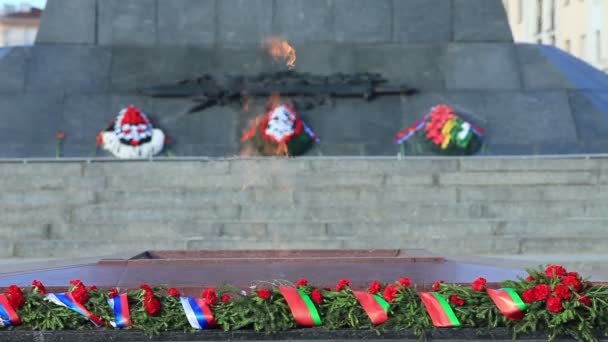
<point>13,63</point>
<point>481,67</point>
<point>362,21</point>
<point>69,68</point>
<point>245,22</point>
<point>537,71</point>
<point>127,22</point>
<point>414,23</point>
<point>186,22</point>
<point>480,21</point>
<point>82,118</point>
<point>325,59</point>
<point>304,21</point>
<point>590,112</point>
<point>81,27</point>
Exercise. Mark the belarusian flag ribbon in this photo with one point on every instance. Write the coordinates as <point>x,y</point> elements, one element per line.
<point>375,306</point>
<point>68,301</point>
<point>302,308</point>
<point>508,303</point>
<point>439,310</point>
<point>199,314</point>
<point>120,305</point>
<point>8,315</point>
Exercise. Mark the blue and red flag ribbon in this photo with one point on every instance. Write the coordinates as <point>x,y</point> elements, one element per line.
<point>199,314</point>
<point>8,315</point>
<point>120,305</point>
<point>68,301</point>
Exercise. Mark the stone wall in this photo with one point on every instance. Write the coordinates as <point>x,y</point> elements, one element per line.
<point>448,206</point>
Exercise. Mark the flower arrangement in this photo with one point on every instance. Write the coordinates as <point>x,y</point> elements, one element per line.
<point>445,132</point>
<point>551,300</point>
<point>132,135</point>
<point>280,132</point>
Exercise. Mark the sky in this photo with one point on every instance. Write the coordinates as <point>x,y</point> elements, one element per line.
<point>36,3</point>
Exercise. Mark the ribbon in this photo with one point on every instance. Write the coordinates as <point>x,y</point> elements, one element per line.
<point>120,305</point>
<point>302,308</point>
<point>8,315</point>
<point>508,303</point>
<point>439,310</point>
<point>68,301</point>
<point>375,306</point>
<point>199,314</point>
<point>407,133</point>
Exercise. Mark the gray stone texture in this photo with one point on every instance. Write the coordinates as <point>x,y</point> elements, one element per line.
<point>13,64</point>
<point>78,29</point>
<point>304,21</point>
<point>127,22</point>
<point>363,21</point>
<point>480,20</point>
<point>186,22</point>
<point>422,21</point>
<point>537,71</point>
<point>246,22</point>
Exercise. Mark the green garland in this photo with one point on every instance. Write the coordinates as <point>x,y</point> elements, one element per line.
<point>558,303</point>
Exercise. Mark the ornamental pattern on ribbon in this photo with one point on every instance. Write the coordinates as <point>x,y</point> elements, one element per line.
<point>439,310</point>
<point>302,308</point>
<point>8,315</point>
<point>199,314</point>
<point>375,306</point>
<point>508,303</point>
<point>67,300</point>
<point>120,306</point>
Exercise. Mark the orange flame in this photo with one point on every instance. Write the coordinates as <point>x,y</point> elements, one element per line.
<point>279,49</point>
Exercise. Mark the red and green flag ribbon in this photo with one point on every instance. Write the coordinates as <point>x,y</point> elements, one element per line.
<point>302,308</point>
<point>439,310</point>
<point>508,303</point>
<point>375,306</point>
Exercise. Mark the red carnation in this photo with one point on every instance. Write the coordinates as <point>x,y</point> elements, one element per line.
<point>479,284</point>
<point>555,271</point>
<point>316,296</point>
<point>146,287</point>
<point>554,305</point>
<point>92,288</point>
<point>542,291</point>
<point>60,135</point>
<point>264,294</point>
<point>572,281</point>
<point>327,289</point>
<point>584,300</point>
<point>437,285</point>
<point>15,297</point>
<point>113,293</point>
<point>76,282</point>
<point>390,292</point>
<point>80,294</point>
<point>301,282</point>
<point>573,274</point>
<point>341,284</point>
<point>225,298</point>
<point>375,287</point>
<point>454,299</point>
<point>210,296</point>
<point>152,304</point>
<point>39,286</point>
<point>528,296</point>
<point>530,278</point>
<point>562,292</point>
<point>405,282</point>
<point>173,292</point>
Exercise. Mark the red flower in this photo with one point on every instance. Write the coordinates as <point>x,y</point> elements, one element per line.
<point>264,294</point>
<point>554,305</point>
<point>301,282</point>
<point>530,278</point>
<point>405,282</point>
<point>562,292</point>
<point>316,296</point>
<point>92,288</point>
<point>15,297</point>
<point>479,284</point>
<point>173,292</point>
<point>113,293</point>
<point>327,288</point>
<point>38,286</point>
<point>152,304</point>
<point>341,284</point>
<point>76,282</point>
<point>528,296</point>
<point>454,299</point>
<point>60,135</point>
<point>573,274</point>
<point>225,298</point>
<point>542,291</point>
<point>146,288</point>
<point>584,300</point>
<point>167,140</point>
<point>390,292</point>
<point>437,285</point>
<point>210,296</point>
<point>80,294</point>
<point>99,139</point>
<point>555,271</point>
<point>375,287</point>
<point>572,281</point>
